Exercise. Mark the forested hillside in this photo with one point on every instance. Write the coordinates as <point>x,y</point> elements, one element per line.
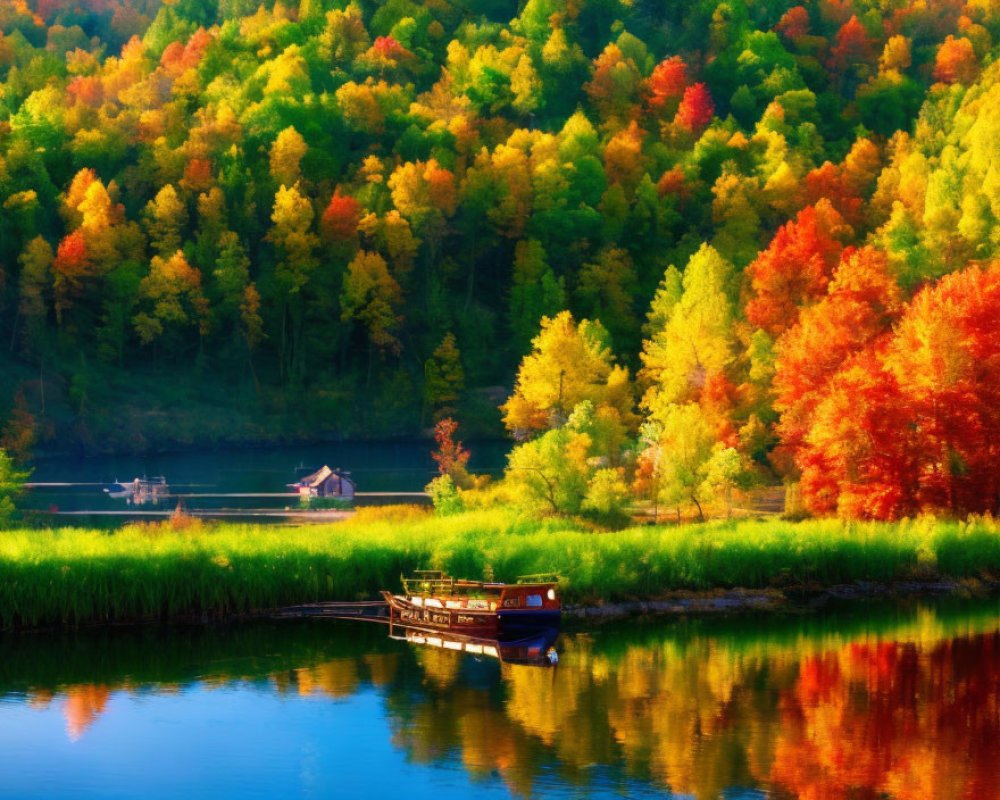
<point>233,220</point>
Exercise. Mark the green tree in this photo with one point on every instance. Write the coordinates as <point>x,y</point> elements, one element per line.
<point>535,293</point>
<point>371,296</point>
<point>444,378</point>
<point>685,440</point>
<point>11,485</point>
<point>551,471</point>
<point>36,261</point>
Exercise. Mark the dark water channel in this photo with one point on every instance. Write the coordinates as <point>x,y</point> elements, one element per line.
<point>866,702</point>
<point>244,480</point>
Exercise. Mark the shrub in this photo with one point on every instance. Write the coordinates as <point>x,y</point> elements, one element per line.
<point>444,494</point>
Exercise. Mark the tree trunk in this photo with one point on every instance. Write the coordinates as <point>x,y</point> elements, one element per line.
<point>472,275</point>
<point>701,515</point>
<point>371,359</point>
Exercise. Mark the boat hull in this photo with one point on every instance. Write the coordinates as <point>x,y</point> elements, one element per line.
<point>502,623</point>
<point>465,621</point>
<point>526,621</point>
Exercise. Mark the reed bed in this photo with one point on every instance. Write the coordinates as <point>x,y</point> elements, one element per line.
<point>169,571</point>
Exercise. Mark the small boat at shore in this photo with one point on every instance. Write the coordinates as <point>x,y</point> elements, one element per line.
<point>139,490</point>
<point>434,602</point>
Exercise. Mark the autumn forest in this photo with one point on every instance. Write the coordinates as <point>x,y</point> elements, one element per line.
<point>686,248</point>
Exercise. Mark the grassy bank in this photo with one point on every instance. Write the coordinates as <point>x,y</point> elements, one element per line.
<point>72,576</point>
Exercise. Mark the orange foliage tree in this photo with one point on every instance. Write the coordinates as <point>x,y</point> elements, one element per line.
<point>795,268</point>
<point>956,61</point>
<point>861,303</point>
<point>886,425</point>
<point>666,84</point>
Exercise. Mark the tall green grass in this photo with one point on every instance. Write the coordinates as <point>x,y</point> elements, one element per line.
<point>73,576</point>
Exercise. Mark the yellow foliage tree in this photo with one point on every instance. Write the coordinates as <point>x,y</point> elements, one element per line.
<point>698,339</point>
<point>569,363</point>
<point>286,155</point>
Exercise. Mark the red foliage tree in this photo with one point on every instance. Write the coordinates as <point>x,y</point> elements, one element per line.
<point>828,182</point>
<point>851,47</point>
<point>945,356</point>
<point>450,457</point>
<point>671,182</point>
<point>69,268</point>
<point>86,89</point>
<point>178,57</point>
<point>793,23</point>
<point>859,453</point>
<point>339,222</point>
<point>696,108</point>
<point>197,175</point>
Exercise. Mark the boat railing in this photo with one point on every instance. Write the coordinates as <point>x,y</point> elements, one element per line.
<point>428,581</point>
<point>540,577</point>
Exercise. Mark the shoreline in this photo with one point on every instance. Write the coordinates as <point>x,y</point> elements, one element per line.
<point>189,569</point>
<point>718,603</point>
<point>796,600</point>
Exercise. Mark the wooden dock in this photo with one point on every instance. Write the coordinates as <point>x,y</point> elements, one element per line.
<point>365,610</point>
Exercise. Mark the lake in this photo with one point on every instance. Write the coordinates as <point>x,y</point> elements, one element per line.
<point>246,479</point>
<point>864,702</point>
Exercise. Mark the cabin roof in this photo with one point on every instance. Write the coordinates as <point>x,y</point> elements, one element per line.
<point>319,476</point>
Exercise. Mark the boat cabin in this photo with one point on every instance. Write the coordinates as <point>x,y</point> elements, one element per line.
<point>431,588</point>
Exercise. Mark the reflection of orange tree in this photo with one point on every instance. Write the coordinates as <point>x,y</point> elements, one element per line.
<point>829,714</point>
<point>891,719</point>
<point>83,705</point>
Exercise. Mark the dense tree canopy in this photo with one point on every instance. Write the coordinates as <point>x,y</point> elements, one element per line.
<point>356,216</point>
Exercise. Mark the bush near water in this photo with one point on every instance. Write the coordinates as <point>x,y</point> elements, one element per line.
<point>163,572</point>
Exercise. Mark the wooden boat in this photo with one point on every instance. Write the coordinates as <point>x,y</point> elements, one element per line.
<point>432,601</point>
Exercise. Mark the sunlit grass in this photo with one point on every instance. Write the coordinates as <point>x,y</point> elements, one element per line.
<point>185,568</point>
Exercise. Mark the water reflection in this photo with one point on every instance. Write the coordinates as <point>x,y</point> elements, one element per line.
<point>901,704</point>
<point>535,649</point>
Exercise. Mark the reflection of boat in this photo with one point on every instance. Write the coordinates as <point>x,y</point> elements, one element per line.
<point>537,649</point>
<point>432,601</point>
<point>139,490</point>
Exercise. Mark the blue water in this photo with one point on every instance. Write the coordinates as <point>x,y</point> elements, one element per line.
<point>242,741</point>
<point>896,702</point>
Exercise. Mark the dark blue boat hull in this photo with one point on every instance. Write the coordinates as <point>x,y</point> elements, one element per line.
<point>525,621</point>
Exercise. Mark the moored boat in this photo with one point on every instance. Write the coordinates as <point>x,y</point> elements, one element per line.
<point>433,601</point>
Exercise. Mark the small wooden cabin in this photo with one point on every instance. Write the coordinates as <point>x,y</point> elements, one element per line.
<point>326,482</point>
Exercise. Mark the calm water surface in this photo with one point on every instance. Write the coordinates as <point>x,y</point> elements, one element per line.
<point>866,703</point>
<point>221,479</point>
